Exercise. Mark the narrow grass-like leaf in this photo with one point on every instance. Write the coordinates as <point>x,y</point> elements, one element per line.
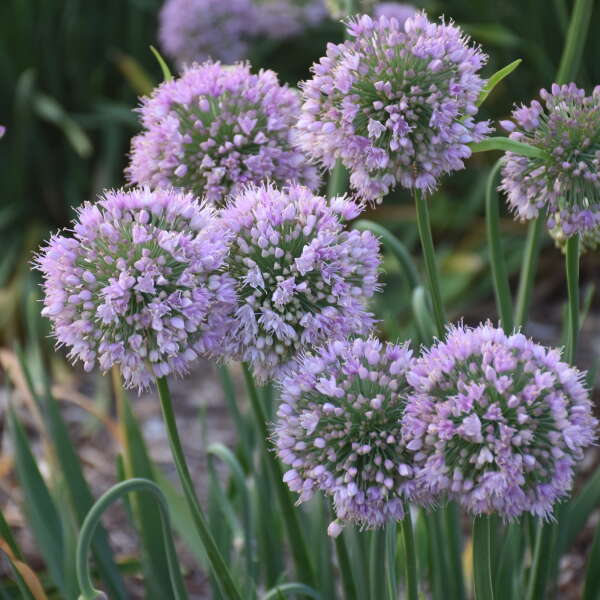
<point>577,512</point>
<point>495,79</point>
<point>7,536</point>
<point>24,590</point>
<point>42,514</point>
<point>181,517</point>
<point>50,110</point>
<point>166,72</point>
<point>223,453</point>
<point>79,492</point>
<point>287,589</point>
<point>505,144</point>
<point>591,589</point>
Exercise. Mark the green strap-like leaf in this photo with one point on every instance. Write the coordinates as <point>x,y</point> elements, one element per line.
<point>505,144</point>
<point>495,79</point>
<point>287,589</point>
<point>42,514</point>
<point>163,64</point>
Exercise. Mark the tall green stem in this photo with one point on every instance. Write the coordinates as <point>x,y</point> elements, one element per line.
<point>576,37</point>
<point>88,528</point>
<point>499,275</point>
<point>219,567</point>
<point>572,269</point>
<point>482,560</point>
<point>295,534</point>
<point>424,226</point>
<point>348,583</point>
<point>530,260</point>
<point>410,566</point>
<point>540,567</point>
<point>391,552</point>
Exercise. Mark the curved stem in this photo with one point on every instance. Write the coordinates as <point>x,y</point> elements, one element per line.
<point>499,275</point>
<point>395,246</point>
<point>88,592</point>
<point>219,567</point>
<point>530,259</point>
<point>295,533</point>
<point>482,563</point>
<point>350,592</point>
<point>572,268</point>
<point>424,226</point>
<point>412,584</point>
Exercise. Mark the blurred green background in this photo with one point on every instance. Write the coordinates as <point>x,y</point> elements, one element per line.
<point>71,72</point>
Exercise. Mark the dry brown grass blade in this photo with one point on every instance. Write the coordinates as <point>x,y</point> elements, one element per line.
<point>30,578</point>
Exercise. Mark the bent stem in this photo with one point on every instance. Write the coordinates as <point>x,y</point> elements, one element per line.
<point>410,566</point>
<point>295,534</point>
<point>424,226</point>
<point>219,567</point>
<point>499,275</point>
<point>482,563</point>
<point>88,592</point>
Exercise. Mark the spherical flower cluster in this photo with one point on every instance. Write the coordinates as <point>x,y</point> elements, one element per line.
<point>394,10</point>
<point>589,239</point>
<point>496,422</point>
<point>2,131</point>
<point>339,429</point>
<point>196,30</point>
<point>301,278</point>
<point>566,181</point>
<point>217,128</point>
<point>396,105</point>
<point>139,284</point>
<point>280,19</point>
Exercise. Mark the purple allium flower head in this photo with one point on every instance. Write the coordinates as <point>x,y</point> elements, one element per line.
<point>196,30</point>
<point>217,128</point>
<point>394,10</point>
<point>139,284</point>
<point>566,125</point>
<point>301,277</point>
<point>496,422</point>
<point>339,429</point>
<point>2,131</point>
<point>280,19</point>
<point>396,105</point>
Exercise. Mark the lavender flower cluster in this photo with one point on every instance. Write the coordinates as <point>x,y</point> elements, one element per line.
<point>197,30</point>
<point>495,422</point>
<point>300,276</point>
<point>264,270</point>
<point>566,181</point>
<point>396,106</point>
<point>139,284</point>
<point>339,428</point>
<point>216,129</point>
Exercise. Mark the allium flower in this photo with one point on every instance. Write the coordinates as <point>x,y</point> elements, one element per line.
<point>589,239</point>
<point>196,30</point>
<point>301,278</point>
<point>2,131</point>
<point>217,128</point>
<point>497,422</point>
<point>394,10</point>
<point>139,285</point>
<point>280,19</point>
<point>567,180</point>
<point>339,429</point>
<point>395,105</point>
